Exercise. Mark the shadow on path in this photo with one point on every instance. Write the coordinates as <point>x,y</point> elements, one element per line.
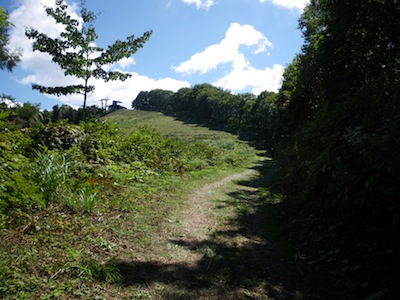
<point>246,258</point>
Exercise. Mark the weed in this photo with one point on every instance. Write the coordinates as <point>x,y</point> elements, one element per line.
<point>81,266</point>
<point>106,245</point>
<point>110,271</point>
<point>140,187</point>
<point>88,200</point>
<point>84,202</point>
<point>50,172</point>
<point>85,267</point>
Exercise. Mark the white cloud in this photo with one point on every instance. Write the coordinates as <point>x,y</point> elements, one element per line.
<point>242,74</point>
<point>126,91</point>
<point>290,4</point>
<point>9,103</point>
<point>126,62</point>
<point>39,65</point>
<point>258,80</point>
<point>44,72</point>
<point>32,12</point>
<point>226,51</point>
<point>200,3</point>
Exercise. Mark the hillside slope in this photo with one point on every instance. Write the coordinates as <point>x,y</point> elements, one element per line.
<point>117,186</point>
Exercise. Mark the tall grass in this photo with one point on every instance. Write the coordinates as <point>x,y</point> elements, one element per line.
<point>140,176</point>
<point>84,202</point>
<point>50,171</point>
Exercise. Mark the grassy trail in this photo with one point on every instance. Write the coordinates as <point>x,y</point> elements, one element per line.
<point>218,247</point>
<point>207,233</point>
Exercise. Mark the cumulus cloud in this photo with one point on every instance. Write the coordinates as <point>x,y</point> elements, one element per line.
<point>126,91</point>
<point>41,70</point>
<point>258,80</point>
<point>126,62</point>
<point>32,12</point>
<point>242,75</point>
<point>290,4</point>
<point>226,51</point>
<point>200,3</point>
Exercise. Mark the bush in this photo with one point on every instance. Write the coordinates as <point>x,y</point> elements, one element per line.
<point>164,154</point>
<point>16,189</point>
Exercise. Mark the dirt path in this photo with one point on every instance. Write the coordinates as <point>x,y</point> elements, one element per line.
<point>219,247</point>
<point>197,221</point>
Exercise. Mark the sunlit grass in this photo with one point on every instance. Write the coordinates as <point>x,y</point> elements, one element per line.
<point>97,215</point>
<point>129,120</point>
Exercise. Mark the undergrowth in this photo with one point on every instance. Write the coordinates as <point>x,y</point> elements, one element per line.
<point>76,199</point>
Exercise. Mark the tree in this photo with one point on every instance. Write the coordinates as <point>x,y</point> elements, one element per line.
<point>340,94</point>
<point>75,51</point>
<point>141,100</point>
<point>8,58</point>
<point>338,125</point>
<point>27,115</point>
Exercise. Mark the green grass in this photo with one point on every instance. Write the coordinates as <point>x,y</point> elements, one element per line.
<point>71,247</point>
<point>129,120</point>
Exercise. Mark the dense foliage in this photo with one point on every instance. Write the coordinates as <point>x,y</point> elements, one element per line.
<point>57,179</point>
<point>8,57</point>
<point>244,114</point>
<point>41,160</point>
<point>338,136</point>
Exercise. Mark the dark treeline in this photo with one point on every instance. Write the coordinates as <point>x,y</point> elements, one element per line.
<point>73,116</point>
<point>28,114</point>
<point>335,127</point>
<point>244,114</point>
<point>338,139</point>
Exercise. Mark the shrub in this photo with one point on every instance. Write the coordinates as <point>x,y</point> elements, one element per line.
<point>59,135</point>
<point>164,154</point>
<point>16,190</point>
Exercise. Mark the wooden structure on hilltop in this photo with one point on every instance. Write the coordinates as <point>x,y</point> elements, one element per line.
<point>115,106</point>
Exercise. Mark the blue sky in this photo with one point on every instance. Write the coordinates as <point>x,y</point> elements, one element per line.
<point>238,45</point>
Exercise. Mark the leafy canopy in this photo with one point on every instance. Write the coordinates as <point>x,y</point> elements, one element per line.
<point>76,53</point>
<point>8,58</point>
